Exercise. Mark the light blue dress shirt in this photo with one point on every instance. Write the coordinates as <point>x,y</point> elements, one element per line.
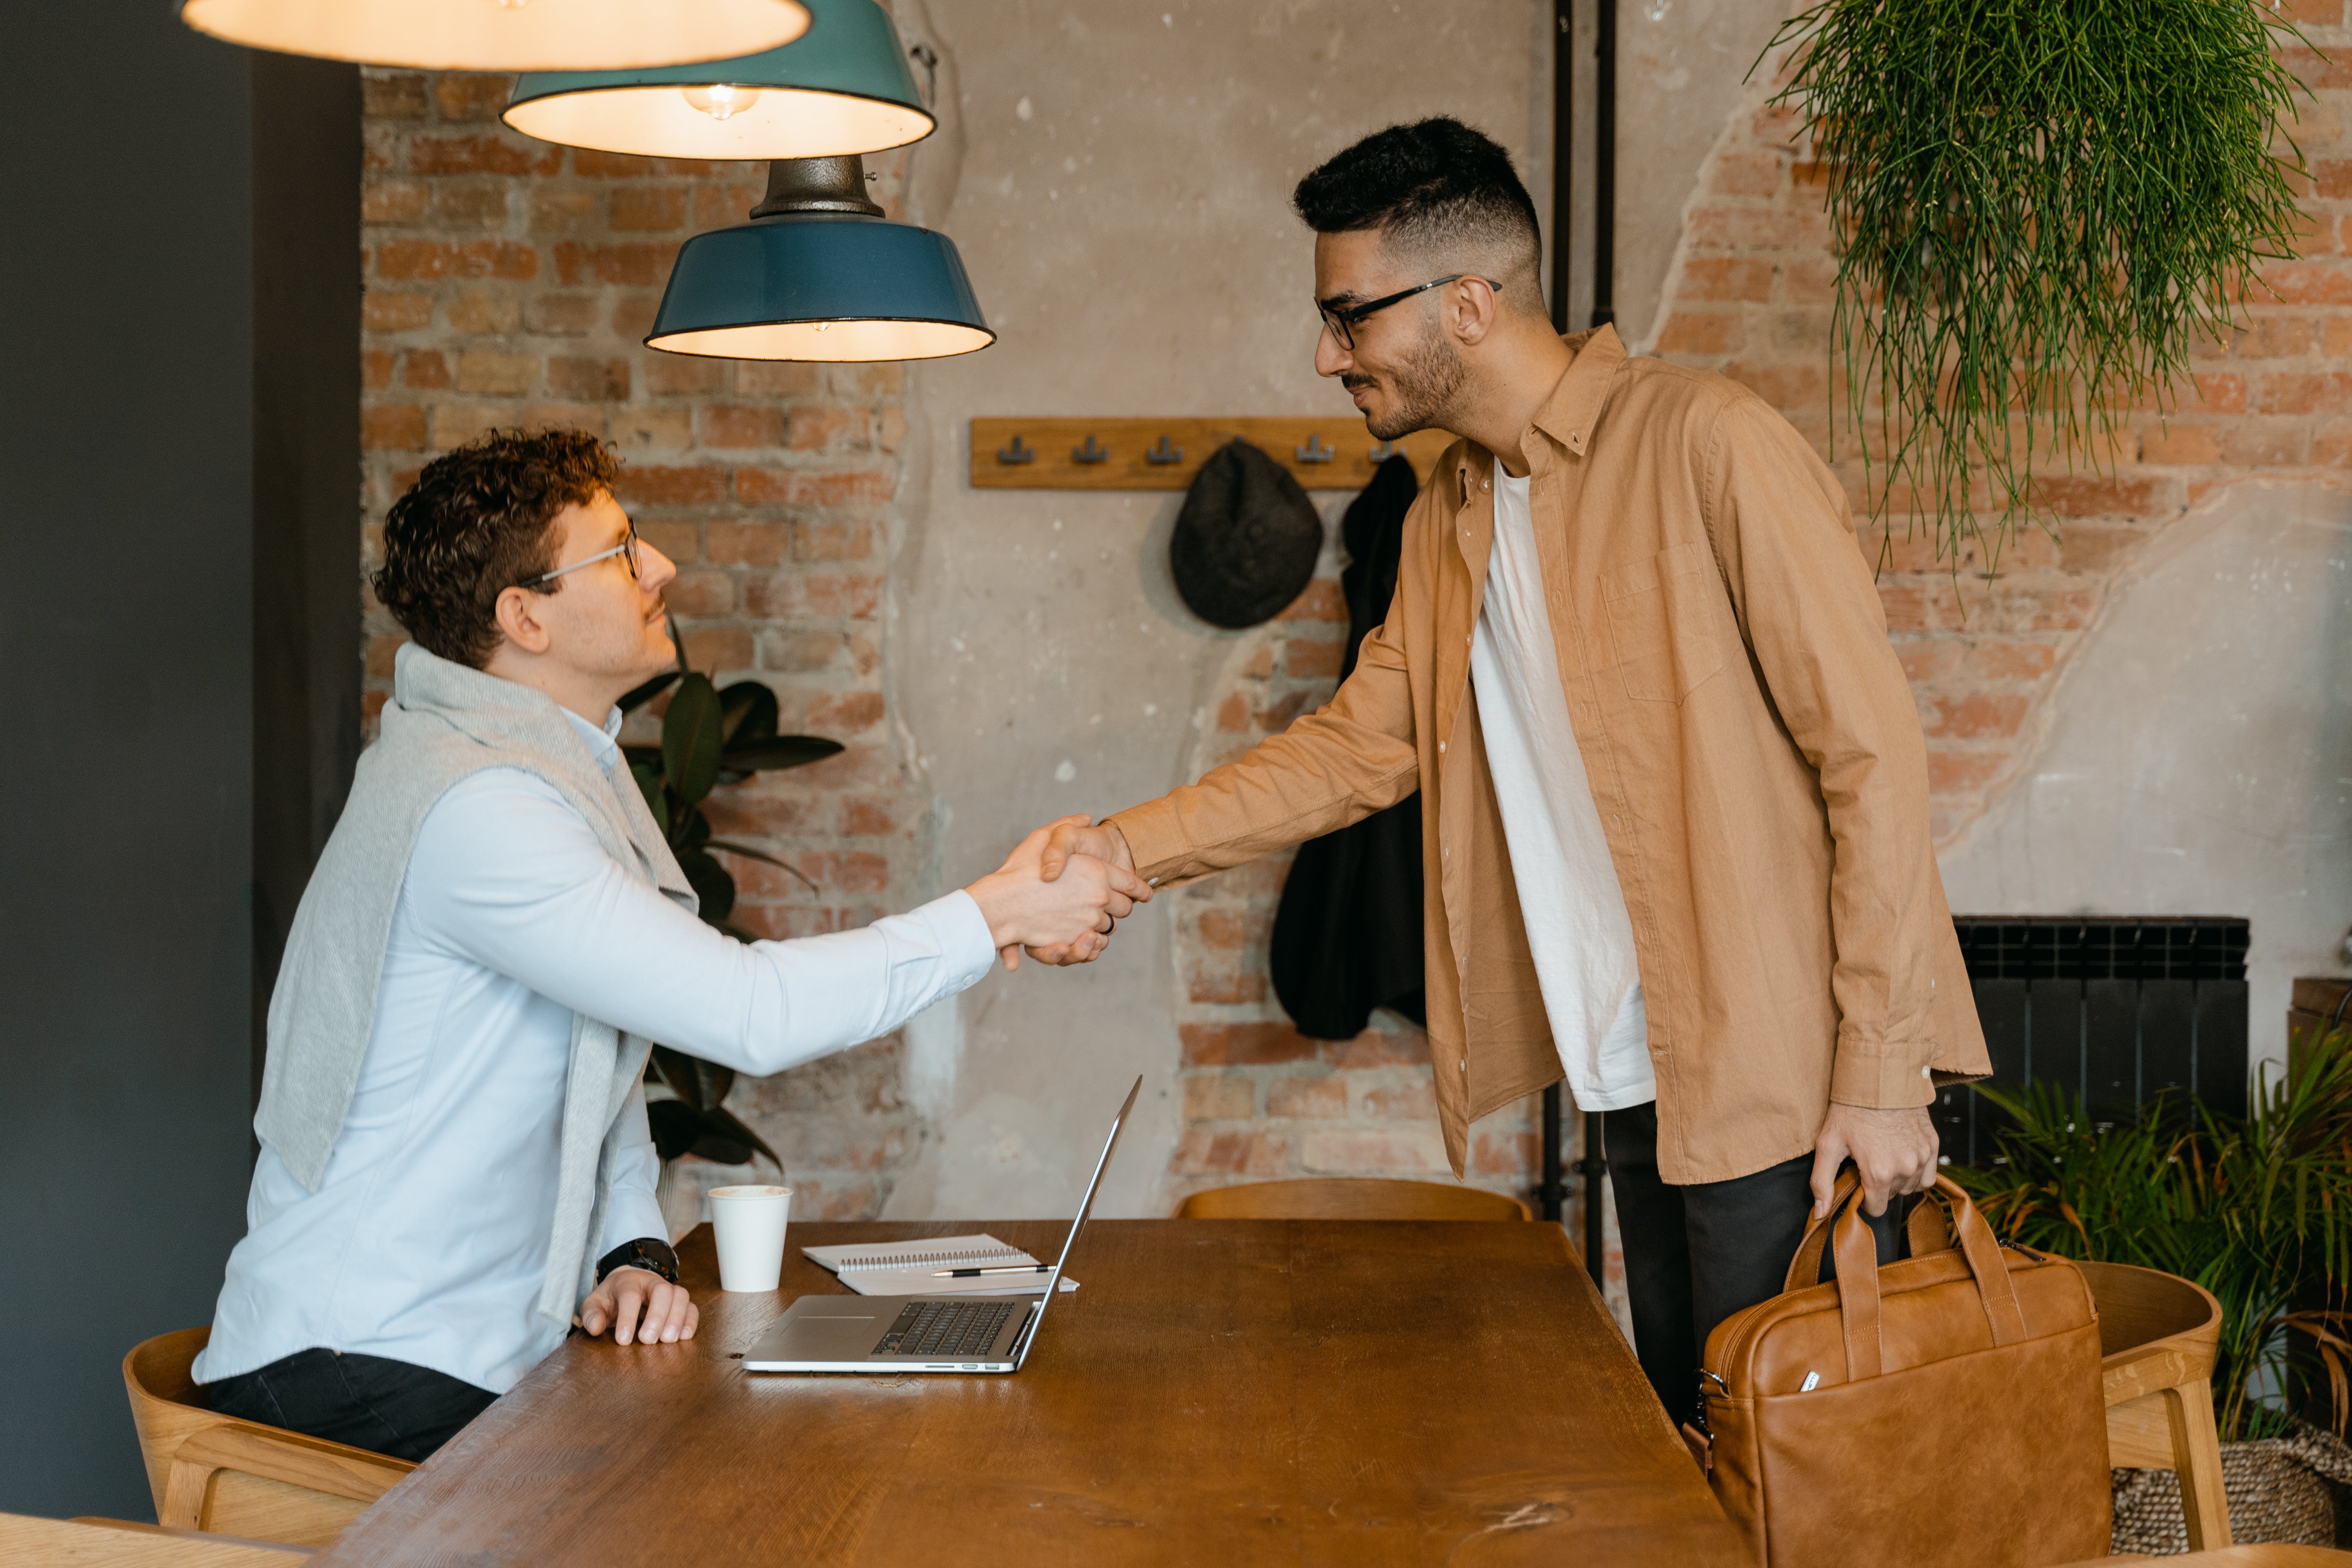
<point>426,1241</point>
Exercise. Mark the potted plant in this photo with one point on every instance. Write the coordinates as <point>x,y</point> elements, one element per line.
<point>2256,1209</point>
<point>710,736</point>
<point>2041,212</point>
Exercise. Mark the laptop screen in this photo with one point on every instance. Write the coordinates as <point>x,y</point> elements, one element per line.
<point>1054,1280</point>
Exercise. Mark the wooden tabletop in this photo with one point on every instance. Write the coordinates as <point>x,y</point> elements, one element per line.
<point>1219,1392</point>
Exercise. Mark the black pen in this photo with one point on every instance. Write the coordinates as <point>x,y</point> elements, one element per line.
<point>976,1273</point>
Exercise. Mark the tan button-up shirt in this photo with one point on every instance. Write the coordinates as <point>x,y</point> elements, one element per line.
<point>1751,745</point>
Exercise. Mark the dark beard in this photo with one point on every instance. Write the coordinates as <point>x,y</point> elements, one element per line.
<point>1425,386</point>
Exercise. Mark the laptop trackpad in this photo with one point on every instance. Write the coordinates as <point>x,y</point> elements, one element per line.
<point>835,1334</point>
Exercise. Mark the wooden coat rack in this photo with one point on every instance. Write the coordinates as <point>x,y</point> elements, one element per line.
<point>1164,453</point>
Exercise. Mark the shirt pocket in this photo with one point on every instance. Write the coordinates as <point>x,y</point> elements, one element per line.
<point>1662,623</point>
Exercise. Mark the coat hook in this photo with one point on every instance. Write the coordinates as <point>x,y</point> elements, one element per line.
<point>1091,452</point>
<point>1019,452</point>
<point>1383,451</point>
<point>1162,452</point>
<point>1315,451</point>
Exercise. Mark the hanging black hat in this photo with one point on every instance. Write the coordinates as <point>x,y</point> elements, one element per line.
<point>1246,540</point>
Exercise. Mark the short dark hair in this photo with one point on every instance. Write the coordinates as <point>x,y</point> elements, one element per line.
<point>1429,185</point>
<point>477,521</point>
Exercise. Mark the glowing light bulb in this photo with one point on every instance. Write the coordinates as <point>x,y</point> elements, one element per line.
<point>722,100</point>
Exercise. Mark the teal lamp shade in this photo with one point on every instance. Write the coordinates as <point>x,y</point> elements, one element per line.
<point>503,35</point>
<point>818,274</point>
<point>844,88</point>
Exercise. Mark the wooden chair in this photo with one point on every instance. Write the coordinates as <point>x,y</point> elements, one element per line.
<point>2156,1336</point>
<point>29,1542</point>
<point>218,1474</point>
<point>1350,1198</point>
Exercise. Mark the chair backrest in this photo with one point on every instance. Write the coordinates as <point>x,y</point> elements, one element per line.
<point>235,1477</point>
<point>1350,1199</point>
<point>2140,1306</point>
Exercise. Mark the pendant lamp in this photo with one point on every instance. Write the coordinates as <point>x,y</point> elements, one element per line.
<point>503,35</point>
<point>819,274</point>
<point>844,88</point>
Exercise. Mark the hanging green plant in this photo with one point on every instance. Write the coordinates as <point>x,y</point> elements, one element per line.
<point>2043,206</point>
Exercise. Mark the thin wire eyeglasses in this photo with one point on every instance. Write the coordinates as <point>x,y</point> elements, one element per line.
<point>1342,319</point>
<point>626,550</point>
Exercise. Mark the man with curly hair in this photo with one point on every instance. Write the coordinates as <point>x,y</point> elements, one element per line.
<point>455,1153</point>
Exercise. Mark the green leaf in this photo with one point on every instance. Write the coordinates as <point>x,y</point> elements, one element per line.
<point>709,880</point>
<point>675,1126</point>
<point>657,794</point>
<point>637,697</point>
<point>695,830</point>
<point>722,1123</point>
<point>733,847</point>
<point>779,752</point>
<point>747,713</point>
<point>698,1085</point>
<point>690,740</point>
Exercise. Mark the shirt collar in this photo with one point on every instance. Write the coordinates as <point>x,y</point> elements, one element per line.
<point>1567,414</point>
<point>602,742</point>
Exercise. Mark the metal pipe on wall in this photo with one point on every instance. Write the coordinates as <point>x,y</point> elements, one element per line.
<point>1553,1191</point>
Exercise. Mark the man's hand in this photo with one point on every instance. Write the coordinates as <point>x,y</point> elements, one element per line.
<point>1893,1149</point>
<point>1070,914</point>
<point>641,1307</point>
<point>1071,839</point>
<point>1073,835</point>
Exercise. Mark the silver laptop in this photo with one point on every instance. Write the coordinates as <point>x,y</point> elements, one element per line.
<point>921,1334</point>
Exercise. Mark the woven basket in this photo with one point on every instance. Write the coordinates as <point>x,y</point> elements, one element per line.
<point>2279,1489</point>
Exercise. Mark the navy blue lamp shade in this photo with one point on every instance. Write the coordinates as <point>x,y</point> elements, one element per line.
<point>819,275</point>
<point>841,88</point>
<point>503,35</point>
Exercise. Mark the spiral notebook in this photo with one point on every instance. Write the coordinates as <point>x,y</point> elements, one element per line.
<point>909,1267</point>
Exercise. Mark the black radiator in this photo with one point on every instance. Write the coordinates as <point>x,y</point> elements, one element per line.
<point>2115,1009</point>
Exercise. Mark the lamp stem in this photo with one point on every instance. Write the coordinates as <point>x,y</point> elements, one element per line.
<point>816,185</point>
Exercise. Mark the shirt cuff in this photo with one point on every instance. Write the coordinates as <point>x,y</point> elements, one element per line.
<point>1880,1082</point>
<point>963,936</point>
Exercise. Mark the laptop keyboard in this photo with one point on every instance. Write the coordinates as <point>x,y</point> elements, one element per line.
<point>950,1328</point>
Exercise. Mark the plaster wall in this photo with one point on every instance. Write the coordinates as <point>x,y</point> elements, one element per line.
<point>1117,180</point>
<point>2199,753</point>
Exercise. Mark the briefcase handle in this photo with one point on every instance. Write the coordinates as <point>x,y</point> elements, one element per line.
<point>1925,1231</point>
<point>1857,1250</point>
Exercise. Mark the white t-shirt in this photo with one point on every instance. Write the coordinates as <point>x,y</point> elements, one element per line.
<point>1578,930</point>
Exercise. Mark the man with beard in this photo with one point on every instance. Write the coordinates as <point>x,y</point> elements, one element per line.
<point>1672,788</point>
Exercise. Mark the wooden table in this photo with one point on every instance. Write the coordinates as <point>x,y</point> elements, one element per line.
<point>1219,1392</point>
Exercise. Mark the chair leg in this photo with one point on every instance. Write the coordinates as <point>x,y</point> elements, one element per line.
<point>2197,1459</point>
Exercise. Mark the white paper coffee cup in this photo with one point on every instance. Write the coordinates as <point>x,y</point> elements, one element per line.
<point>749,1223</point>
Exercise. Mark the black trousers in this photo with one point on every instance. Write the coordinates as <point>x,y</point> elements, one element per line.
<point>369,1402</point>
<point>1696,1255</point>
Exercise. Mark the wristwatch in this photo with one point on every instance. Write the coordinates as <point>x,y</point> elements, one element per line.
<point>643,1253</point>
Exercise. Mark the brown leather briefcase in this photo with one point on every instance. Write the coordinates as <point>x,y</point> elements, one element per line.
<point>1945,1409</point>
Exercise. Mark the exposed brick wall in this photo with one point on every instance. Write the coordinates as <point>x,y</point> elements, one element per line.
<point>1750,296</point>
<point>510,282</point>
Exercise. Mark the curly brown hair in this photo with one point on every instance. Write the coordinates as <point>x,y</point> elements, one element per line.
<point>477,521</point>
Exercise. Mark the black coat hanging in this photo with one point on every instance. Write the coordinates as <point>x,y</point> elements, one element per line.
<point>1346,938</point>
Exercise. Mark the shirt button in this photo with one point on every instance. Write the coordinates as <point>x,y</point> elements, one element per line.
<point>1924,1073</point>
<point>1465,1064</point>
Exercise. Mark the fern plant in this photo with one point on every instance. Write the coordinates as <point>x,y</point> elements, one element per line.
<point>2042,208</point>
<point>2257,1209</point>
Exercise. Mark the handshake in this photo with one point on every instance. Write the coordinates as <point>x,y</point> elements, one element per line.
<point>1061,893</point>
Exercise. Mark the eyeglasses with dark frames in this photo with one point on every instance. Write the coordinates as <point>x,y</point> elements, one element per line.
<point>1342,319</point>
<point>626,550</point>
